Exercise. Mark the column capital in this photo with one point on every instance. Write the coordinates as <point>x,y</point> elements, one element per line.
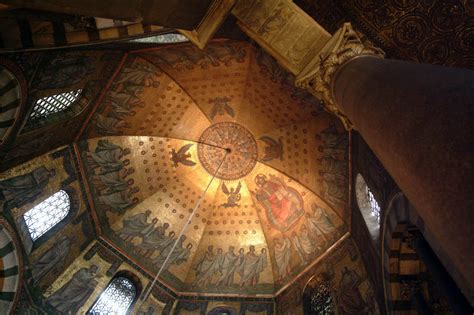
<point>345,45</point>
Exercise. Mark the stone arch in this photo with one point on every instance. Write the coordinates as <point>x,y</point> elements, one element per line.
<point>398,218</point>
<point>404,271</point>
<point>10,267</point>
<point>13,97</point>
<point>407,281</point>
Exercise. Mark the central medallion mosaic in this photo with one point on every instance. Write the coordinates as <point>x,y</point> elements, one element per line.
<point>231,139</point>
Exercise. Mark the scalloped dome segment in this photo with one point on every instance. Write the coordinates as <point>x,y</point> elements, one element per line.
<point>150,151</point>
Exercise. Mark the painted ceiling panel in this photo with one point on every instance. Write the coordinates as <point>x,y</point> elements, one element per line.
<point>298,225</point>
<point>214,79</point>
<point>270,102</point>
<point>127,178</point>
<point>183,116</point>
<point>315,153</point>
<point>234,231</point>
<point>143,100</point>
<point>133,168</point>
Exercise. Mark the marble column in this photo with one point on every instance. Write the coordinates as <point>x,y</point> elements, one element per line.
<point>418,120</point>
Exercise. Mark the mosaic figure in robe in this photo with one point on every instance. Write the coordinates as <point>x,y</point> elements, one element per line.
<point>321,227</point>
<point>51,258</point>
<point>283,204</point>
<point>134,226</point>
<point>20,190</point>
<point>282,250</point>
<point>252,266</point>
<point>207,266</point>
<point>73,294</point>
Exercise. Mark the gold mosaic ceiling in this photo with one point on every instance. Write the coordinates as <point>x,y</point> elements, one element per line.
<point>174,117</point>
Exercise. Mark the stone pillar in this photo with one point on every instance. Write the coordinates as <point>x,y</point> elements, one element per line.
<point>417,119</point>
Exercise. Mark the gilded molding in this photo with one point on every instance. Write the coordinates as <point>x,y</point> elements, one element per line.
<point>345,45</point>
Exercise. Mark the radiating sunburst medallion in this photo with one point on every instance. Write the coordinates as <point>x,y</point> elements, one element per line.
<point>231,139</point>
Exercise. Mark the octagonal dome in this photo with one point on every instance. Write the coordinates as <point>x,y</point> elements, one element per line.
<point>225,125</point>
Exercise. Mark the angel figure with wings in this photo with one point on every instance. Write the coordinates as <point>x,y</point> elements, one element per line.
<point>233,196</point>
<point>221,107</point>
<point>182,156</point>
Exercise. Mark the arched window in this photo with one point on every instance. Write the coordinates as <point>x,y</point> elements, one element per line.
<point>55,108</point>
<point>321,300</point>
<point>317,298</point>
<point>116,298</point>
<point>373,204</point>
<point>54,104</point>
<point>47,214</point>
<point>368,206</point>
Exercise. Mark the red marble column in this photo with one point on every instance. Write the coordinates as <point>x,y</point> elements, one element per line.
<point>418,119</point>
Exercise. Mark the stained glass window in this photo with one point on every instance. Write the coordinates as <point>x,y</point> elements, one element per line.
<point>47,214</point>
<point>373,204</point>
<point>54,104</point>
<point>321,300</point>
<point>116,299</point>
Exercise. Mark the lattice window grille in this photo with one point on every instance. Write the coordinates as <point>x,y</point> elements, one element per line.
<point>161,39</point>
<point>373,204</point>
<point>54,104</point>
<point>116,299</point>
<point>47,214</point>
<point>321,300</point>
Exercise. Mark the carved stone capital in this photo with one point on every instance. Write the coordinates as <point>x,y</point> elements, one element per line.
<point>317,77</point>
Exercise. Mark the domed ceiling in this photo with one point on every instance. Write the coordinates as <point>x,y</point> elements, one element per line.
<point>177,123</point>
